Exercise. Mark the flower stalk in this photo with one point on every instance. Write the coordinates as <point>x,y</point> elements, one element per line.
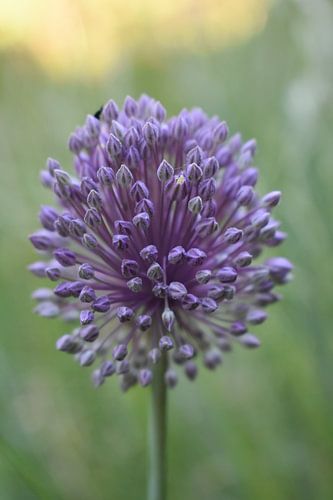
<point>157,433</point>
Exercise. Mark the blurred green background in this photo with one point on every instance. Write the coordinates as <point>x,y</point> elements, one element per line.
<point>261,427</point>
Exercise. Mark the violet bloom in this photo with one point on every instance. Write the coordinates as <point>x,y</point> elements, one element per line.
<point>155,244</point>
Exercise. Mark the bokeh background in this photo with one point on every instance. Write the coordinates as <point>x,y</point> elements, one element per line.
<point>261,428</point>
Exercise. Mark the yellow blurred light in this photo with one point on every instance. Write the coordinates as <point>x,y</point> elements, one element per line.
<point>86,37</point>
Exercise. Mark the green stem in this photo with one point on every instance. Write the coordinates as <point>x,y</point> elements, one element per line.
<point>157,434</point>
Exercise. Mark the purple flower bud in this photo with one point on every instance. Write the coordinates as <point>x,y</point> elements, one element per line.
<point>118,130</point>
<point>243,259</point>
<point>149,253</point>
<point>124,176</point>
<point>260,219</point>
<point>77,228</point>
<point>94,200</point>
<point>186,351</point>
<point>145,205</point>
<point>141,221</point>
<point>61,225</point>
<point>47,217</point>
<point>92,218</point>
<point>75,144</point>
<point>165,343</point>
<point>171,378</point>
<point>250,341</point>
<point>110,111</point>
<point>97,378</point>
<point>206,227</point>
<point>42,242</point>
<point>212,359</point>
<point>102,304</point>
<point>151,133</point>
<point>62,177</point>
<point>86,271</point>
<point>176,290</point>
<point>87,184</point>
<point>123,367</point>
<point>89,241</point>
<point>226,275</point>
<point>132,137</point>
<point>195,257</point>
<point>124,314</point>
<point>139,191</point>
<point>155,272</point>
<point>279,268</point>
<point>238,328</point>
<point>224,156</point>
<point>256,317</point>
<point>245,195</point>
<point>220,133</point>
<point>190,302</point>
<point>130,106</point>
<point>38,269</point>
<point>132,158</point>
<point>105,176</point>
<point>271,199</point>
<point>93,125</point>
<point>203,276</point>
<point>194,173</point>
<point>87,294</point>
<point>207,189</point>
<point>210,167</point>
<point>87,357</point>
<point>120,352</point>
<point>145,377</point>
<point>86,317</point>
<point>195,205</point>
<point>232,235</point>
<point>159,111</point>
<point>176,255</point>
<point>160,290</point>
<point>89,333</point>
<point>67,343</point>
<point>63,290</point>
<point>208,305</point>
<point>107,368</point>
<point>113,146</point>
<point>250,146</point>
<point>47,309</point>
<point>168,319</point>
<point>75,288</point>
<point>120,241</point>
<point>65,257</point>
<point>129,268</point>
<point>195,155</point>
<point>53,273</point>
<point>52,165</point>
<point>144,322</point>
<point>249,177</point>
<point>165,171</point>
<point>191,370</point>
<point>135,284</point>
<point>123,227</point>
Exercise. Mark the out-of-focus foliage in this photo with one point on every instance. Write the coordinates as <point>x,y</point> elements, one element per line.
<point>260,428</point>
<point>87,37</point>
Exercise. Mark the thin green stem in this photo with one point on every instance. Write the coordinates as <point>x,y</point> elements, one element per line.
<point>157,433</point>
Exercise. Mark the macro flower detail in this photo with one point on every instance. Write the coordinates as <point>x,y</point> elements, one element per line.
<point>155,247</point>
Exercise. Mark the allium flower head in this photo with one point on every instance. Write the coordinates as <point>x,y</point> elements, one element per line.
<point>155,247</point>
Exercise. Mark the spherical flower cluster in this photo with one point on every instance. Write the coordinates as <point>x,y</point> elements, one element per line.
<point>153,248</point>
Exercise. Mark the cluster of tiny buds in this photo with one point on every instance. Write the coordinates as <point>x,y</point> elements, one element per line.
<point>155,247</point>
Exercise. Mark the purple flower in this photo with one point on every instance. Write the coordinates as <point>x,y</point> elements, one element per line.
<point>154,243</point>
